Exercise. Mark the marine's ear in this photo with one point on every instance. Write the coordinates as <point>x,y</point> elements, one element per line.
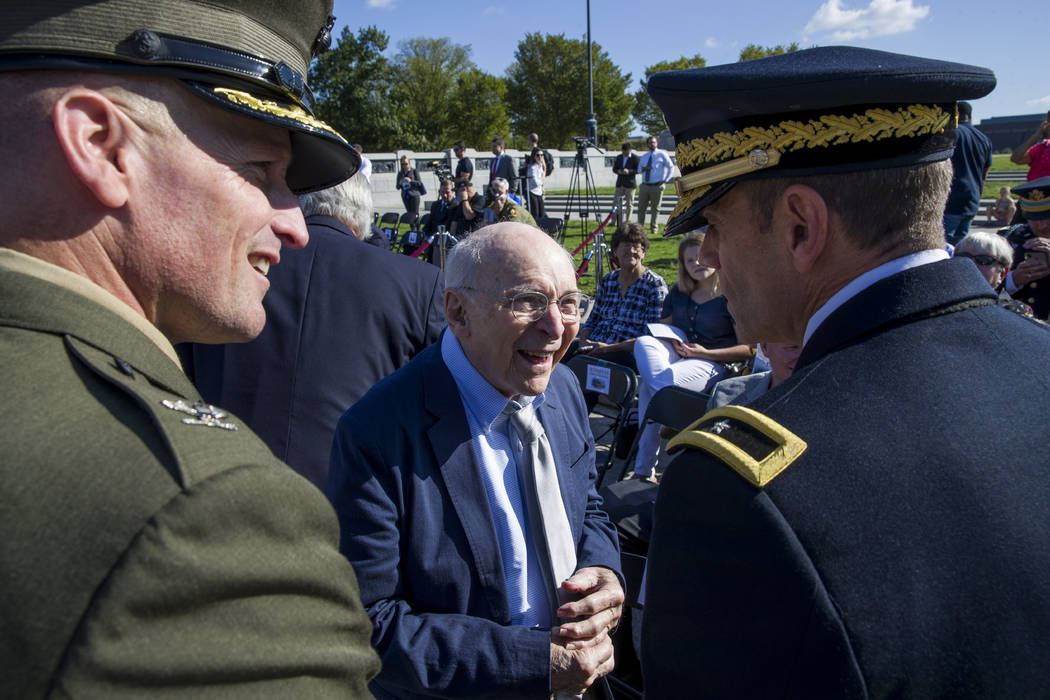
<point>93,134</point>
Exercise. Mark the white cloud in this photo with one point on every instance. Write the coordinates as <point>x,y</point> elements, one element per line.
<point>491,11</point>
<point>382,4</point>
<point>880,18</point>
<point>711,43</point>
<point>1040,102</point>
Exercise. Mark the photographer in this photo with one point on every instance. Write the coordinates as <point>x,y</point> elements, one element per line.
<point>503,208</point>
<point>1031,243</point>
<point>469,210</point>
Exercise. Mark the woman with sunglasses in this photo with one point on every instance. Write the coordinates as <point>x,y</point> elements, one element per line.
<point>992,255</point>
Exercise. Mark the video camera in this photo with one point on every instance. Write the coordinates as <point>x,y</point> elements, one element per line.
<point>584,142</point>
<point>441,169</point>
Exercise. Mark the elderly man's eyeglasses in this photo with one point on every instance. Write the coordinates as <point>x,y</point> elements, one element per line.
<point>981,259</point>
<point>530,306</point>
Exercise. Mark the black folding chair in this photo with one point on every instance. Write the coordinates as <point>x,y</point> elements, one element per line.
<point>616,385</point>
<point>388,225</point>
<point>554,227</point>
<point>673,406</point>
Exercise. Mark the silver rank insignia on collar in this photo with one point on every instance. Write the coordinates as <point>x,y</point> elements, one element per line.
<point>202,414</point>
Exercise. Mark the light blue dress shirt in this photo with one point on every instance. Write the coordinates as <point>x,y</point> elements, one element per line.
<point>493,449</point>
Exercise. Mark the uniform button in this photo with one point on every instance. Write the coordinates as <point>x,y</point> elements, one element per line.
<point>1031,300</point>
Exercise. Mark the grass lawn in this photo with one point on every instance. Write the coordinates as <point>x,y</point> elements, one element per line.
<point>1001,161</point>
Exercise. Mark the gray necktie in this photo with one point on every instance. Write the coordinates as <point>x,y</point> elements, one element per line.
<point>543,496</point>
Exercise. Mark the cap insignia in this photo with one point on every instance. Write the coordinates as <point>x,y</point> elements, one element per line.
<point>830,129</point>
<point>1036,195</point>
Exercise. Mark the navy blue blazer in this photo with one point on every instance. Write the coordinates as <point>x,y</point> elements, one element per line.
<point>340,316</point>
<point>417,527</point>
<point>906,553</point>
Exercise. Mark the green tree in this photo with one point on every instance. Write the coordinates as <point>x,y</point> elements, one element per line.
<point>645,112</point>
<point>547,91</point>
<point>479,111</point>
<point>352,86</point>
<point>753,51</point>
<point>427,73</point>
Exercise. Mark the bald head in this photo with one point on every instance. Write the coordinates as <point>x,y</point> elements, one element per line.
<point>485,248</point>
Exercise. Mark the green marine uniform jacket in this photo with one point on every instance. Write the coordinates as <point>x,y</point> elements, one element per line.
<point>145,549</point>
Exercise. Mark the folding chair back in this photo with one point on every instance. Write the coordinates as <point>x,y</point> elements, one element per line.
<point>554,227</point>
<point>388,225</point>
<point>617,384</point>
<point>673,406</point>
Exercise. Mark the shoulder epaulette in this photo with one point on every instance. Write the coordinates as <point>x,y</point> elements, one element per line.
<point>753,445</point>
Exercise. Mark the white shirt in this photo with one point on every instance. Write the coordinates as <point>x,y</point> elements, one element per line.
<point>661,164</point>
<point>366,169</point>
<point>867,279</point>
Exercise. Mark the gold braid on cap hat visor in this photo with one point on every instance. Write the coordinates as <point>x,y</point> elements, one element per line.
<point>1035,201</point>
<point>791,135</point>
<point>294,113</point>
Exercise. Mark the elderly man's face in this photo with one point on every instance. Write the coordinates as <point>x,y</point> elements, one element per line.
<point>215,212</point>
<point>517,356</point>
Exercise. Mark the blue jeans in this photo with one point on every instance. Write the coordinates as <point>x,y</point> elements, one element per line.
<point>956,226</point>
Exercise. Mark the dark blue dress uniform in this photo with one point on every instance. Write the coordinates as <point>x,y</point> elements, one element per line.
<point>1034,203</point>
<point>877,525</point>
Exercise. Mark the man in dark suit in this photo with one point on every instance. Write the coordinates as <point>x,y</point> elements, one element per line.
<point>341,315</point>
<point>487,567</point>
<point>442,210</point>
<point>152,545</point>
<point>626,168</point>
<point>502,165</point>
<point>876,525</point>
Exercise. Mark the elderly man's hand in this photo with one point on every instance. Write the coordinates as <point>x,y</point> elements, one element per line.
<point>573,672</point>
<point>595,607</point>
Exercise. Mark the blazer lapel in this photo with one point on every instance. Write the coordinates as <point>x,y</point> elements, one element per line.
<point>449,438</point>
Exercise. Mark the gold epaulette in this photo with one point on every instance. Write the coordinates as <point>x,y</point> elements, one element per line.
<point>754,446</point>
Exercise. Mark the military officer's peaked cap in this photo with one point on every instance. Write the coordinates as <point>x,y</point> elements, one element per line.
<point>823,110</point>
<point>249,56</point>
<point>1034,198</point>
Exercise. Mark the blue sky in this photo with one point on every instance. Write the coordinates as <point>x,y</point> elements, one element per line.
<point>636,33</point>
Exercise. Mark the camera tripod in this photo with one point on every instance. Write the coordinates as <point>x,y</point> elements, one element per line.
<point>582,193</point>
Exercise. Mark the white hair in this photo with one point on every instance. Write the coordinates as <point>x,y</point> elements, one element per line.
<point>350,201</point>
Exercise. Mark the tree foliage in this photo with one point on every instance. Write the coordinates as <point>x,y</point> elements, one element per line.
<point>645,112</point>
<point>352,86</point>
<point>428,71</point>
<point>753,51</point>
<point>547,91</point>
<point>478,109</point>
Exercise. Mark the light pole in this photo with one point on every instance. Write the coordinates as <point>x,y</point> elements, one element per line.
<point>591,127</point>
